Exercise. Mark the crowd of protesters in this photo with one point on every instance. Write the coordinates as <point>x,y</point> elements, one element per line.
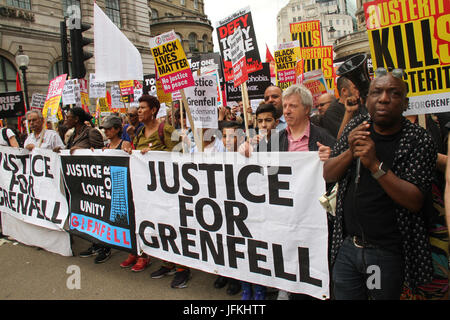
<point>386,171</point>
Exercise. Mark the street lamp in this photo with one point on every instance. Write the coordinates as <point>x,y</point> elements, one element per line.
<point>22,61</point>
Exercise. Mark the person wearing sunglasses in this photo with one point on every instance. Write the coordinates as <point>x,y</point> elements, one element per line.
<point>379,231</point>
<point>323,102</point>
<point>133,125</point>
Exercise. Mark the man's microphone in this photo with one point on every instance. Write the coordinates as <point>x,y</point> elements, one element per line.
<point>358,160</point>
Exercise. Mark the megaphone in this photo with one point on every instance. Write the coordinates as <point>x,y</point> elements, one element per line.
<point>356,70</point>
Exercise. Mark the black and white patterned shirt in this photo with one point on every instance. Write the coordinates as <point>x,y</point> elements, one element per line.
<point>414,161</point>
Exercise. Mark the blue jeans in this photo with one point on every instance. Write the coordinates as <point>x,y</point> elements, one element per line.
<point>379,277</point>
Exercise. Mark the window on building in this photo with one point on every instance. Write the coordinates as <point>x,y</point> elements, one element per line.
<point>294,19</point>
<point>168,14</point>
<point>205,43</point>
<point>155,14</point>
<point>8,75</point>
<point>57,70</point>
<point>22,4</point>
<point>113,11</point>
<point>68,3</point>
<point>183,2</point>
<point>196,4</point>
<point>192,42</point>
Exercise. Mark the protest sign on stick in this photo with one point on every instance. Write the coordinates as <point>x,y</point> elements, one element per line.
<point>225,29</point>
<point>55,90</point>
<point>307,33</point>
<point>171,63</point>
<point>202,101</point>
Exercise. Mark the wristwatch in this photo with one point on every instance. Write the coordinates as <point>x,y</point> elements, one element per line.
<point>382,170</point>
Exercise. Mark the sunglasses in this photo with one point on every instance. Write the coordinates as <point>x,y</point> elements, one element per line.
<point>132,115</point>
<point>397,73</point>
<point>323,103</point>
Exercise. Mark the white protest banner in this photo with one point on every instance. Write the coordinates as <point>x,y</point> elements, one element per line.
<point>30,188</point>
<point>71,93</point>
<point>38,101</point>
<point>97,89</point>
<point>238,61</point>
<point>56,241</point>
<point>116,97</point>
<point>202,100</point>
<point>254,219</point>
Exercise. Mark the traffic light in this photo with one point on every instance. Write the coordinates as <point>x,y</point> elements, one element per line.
<point>77,42</point>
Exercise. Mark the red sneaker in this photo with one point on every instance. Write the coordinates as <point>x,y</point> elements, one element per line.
<point>141,264</point>
<point>131,260</point>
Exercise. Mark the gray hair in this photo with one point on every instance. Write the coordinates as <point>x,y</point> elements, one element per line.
<point>303,92</point>
<point>39,114</point>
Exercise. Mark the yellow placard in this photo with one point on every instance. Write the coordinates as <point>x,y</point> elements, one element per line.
<point>415,36</point>
<point>307,33</point>
<point>170,58</point>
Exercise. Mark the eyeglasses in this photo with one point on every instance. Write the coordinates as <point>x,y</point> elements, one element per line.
<point>397,73</point>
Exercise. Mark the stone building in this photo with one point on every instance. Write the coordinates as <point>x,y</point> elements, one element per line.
<point>333,15</point>
<point>35,26</point>
<point>187,18</point>
<point>356,42</point>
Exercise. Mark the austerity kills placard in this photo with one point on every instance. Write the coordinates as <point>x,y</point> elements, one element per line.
<point>250,219</point>
<point>415,36</point>
<point>101,205</point>
<point>225,29</point>
<point>319,58</point>
<point>202,101</point>
<point>30,188</point>
<point>171,62</point>
<point>12,104</point>
<point>307,33</point>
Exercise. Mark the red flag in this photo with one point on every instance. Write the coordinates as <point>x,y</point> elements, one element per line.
<point>18,86</point>
<point>271,60</point>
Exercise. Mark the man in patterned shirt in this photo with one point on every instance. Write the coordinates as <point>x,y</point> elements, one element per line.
<point>380,238</point>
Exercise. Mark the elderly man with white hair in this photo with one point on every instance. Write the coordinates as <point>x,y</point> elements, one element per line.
<point>40,136</point>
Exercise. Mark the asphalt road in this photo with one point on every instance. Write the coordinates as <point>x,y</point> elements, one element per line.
<point>28,273</point>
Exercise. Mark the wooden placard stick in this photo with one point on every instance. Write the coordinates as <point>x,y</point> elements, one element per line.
<point>245,101</point>
<point>198,142</point>
<point>422,121</point>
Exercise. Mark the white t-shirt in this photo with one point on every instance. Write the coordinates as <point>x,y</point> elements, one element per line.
<point>9,134</point>
<point>51,140</point>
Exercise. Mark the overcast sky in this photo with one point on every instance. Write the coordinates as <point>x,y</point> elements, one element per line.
<point>264,14</point>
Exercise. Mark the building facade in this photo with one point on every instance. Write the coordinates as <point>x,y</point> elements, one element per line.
<point>35,26</point>
<point>356,42</point>
<point>187,18</point>
<point>333,15</point>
